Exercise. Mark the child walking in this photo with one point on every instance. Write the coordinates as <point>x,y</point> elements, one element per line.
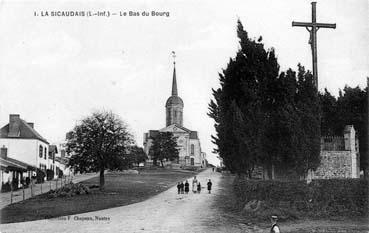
<point>199,188</point>
<point>187,187</point>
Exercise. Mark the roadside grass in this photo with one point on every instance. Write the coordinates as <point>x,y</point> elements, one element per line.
<point>120,189</point>
<point>227,207</point>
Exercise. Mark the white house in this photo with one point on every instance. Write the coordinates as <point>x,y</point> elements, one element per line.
<point>59,159</point>
<point>23,150</point>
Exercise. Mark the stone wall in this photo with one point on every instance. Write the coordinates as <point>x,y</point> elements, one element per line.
<point>334,164</point>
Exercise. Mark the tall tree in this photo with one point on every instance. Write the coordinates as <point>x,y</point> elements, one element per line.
<point>164,147</point>
<point>260,114</point>
<point>330,124</point>
<point>97,143</point>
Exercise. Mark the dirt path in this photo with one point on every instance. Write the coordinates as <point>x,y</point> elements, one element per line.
<point>166,212</point>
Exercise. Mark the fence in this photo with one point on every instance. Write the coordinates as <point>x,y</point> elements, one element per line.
<point>33,190</point>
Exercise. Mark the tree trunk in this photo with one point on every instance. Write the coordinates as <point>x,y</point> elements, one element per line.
<point>102,179</point>
<point>161,161</point>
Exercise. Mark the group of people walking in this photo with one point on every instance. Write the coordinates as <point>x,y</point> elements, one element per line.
<point>196,186</point>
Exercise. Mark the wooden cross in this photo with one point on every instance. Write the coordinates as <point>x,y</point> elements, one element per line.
<point>313,27</point>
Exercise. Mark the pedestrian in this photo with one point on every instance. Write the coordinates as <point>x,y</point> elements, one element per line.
<point>213,169</point>
<point>209,186</point>
<point>187,187</point>
<point>199,187</point>
<point>179,187</point>
<point>182,188</point>
<point>194,184</point>
<point>275,227</point>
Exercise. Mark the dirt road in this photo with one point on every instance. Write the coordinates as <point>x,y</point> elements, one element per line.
<point>166,212</point>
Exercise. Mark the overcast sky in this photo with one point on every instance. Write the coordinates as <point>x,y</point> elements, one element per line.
<point>56,70</point>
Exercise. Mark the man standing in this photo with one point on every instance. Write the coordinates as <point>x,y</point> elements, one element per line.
<point>275,227</point>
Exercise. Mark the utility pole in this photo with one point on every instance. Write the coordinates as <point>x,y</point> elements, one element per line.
<point>312,28</point>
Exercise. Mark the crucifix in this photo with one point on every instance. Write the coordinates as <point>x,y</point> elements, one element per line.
<point>312,28</point>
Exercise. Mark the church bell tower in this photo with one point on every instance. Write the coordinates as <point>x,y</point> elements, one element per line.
<point>174,104</point>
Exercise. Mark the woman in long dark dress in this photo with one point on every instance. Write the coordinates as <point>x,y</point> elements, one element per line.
<point>182,188</point>
<point>179,187</point>
<point>209,186</point>
<point>187,187</point>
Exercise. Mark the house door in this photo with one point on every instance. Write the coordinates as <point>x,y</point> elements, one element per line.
<point>192,161</point>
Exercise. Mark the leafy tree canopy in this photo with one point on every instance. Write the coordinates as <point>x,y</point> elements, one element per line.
<point>97,143</point>
<point>164,147</point>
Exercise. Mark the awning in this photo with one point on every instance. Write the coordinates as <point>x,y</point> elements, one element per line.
<point>10,164</point>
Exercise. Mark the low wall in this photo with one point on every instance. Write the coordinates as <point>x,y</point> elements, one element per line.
<point>334,164</point>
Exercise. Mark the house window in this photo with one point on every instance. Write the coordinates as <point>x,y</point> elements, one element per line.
<point>40,151</point>
<point>45,153</point>
<point>192,149</point>
<point>4,152</point>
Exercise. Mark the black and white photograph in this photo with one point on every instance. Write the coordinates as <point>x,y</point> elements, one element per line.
<point>184,116</point>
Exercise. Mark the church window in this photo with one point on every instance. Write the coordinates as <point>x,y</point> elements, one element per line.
<point>192,149</point>
<point>40,151</point>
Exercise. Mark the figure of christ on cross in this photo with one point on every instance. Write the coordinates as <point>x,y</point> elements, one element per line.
<point>313,27</point>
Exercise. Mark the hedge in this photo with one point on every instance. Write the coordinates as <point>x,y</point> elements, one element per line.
<point>334,197</point>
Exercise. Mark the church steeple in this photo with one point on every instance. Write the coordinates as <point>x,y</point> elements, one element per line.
<point>174,104</point>
<point>174,82</point>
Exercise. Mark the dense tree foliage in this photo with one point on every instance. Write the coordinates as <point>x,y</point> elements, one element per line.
<point>136,155</point>
<point>263,118</point>
<point>97,143</point>
<point>164,147</point>
<point>349,108</point>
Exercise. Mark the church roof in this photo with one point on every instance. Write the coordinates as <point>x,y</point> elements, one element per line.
<point>193,135</point>
<point>153,133</point>
<point>174,99</point>
<point>174,82</point>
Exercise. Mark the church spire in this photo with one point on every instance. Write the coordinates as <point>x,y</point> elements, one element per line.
<point>174,82</point>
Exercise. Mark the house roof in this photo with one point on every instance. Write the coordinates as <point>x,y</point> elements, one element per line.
<point>15,165</point>
<point>25,132</point>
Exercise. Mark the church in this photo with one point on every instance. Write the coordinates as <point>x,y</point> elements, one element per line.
<point>188,142</point>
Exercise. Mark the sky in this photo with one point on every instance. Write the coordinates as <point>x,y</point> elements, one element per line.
<point>56,70</point>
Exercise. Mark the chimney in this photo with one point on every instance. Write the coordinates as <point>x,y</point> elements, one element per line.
<point>31,124</point>
<point>14,122</point>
